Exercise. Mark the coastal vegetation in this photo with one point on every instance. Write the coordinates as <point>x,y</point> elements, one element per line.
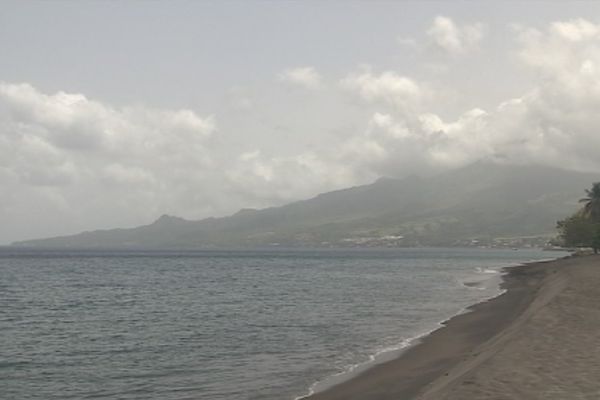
<point>582,229</point>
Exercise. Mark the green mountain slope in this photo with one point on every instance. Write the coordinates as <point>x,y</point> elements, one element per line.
<point>479,202</point>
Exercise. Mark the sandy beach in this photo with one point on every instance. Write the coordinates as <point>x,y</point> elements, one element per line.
<point>538,340</point>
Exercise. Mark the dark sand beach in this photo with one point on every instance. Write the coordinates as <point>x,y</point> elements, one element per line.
<point>538,340</point>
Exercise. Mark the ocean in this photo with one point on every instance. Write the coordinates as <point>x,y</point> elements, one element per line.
<point>235,325</point>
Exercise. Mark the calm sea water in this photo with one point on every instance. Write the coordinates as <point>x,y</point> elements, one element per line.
<point>222,325</point>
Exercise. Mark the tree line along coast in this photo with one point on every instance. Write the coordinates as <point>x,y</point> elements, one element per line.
<point>582,229</point>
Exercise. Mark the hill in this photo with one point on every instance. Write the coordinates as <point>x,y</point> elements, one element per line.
<point>481,203</point>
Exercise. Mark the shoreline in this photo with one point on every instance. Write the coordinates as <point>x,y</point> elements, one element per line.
<point>395,351</point>
<point>428,359</point>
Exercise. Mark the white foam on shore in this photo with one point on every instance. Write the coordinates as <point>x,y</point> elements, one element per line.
<point>483,278</point>
<point>486,270</point>
<point>392,352</point>
<point>383,355</point>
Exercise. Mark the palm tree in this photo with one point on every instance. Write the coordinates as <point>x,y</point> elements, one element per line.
<point>591,208</point>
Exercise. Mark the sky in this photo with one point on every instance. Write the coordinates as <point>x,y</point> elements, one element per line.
<point>114,113</point>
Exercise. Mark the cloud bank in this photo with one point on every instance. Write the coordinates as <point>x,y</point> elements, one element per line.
<point>553,123</point>
<point>70,163</point>
<point>66,158</point>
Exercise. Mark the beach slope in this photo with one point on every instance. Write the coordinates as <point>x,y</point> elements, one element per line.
<point>539,340</point>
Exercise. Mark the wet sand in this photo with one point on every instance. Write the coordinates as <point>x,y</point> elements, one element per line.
<point>538,340</point>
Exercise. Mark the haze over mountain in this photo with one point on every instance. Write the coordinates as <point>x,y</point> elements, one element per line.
<point>479,202</point>
<point>202,108</point>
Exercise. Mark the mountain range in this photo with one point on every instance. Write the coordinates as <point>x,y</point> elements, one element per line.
<point>482,203</point>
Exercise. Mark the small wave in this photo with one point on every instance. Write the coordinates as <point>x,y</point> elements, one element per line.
<point>480,270</point>
<point>477,285</point>
<point>391,352</point>
<point>382,355</point>
<point>385,354</point>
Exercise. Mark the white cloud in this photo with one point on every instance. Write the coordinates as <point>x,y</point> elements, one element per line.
<point>575,30</point>
<point>555,123</point>
<point>561,111</point>
<point>453,39</point>
<point>266,180</point>
<point>388,88</point>
<point>91,164</point>
<point>71,122</point>
<point>71,163</point>
<point>307,77</point>
<point>394,147</point>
